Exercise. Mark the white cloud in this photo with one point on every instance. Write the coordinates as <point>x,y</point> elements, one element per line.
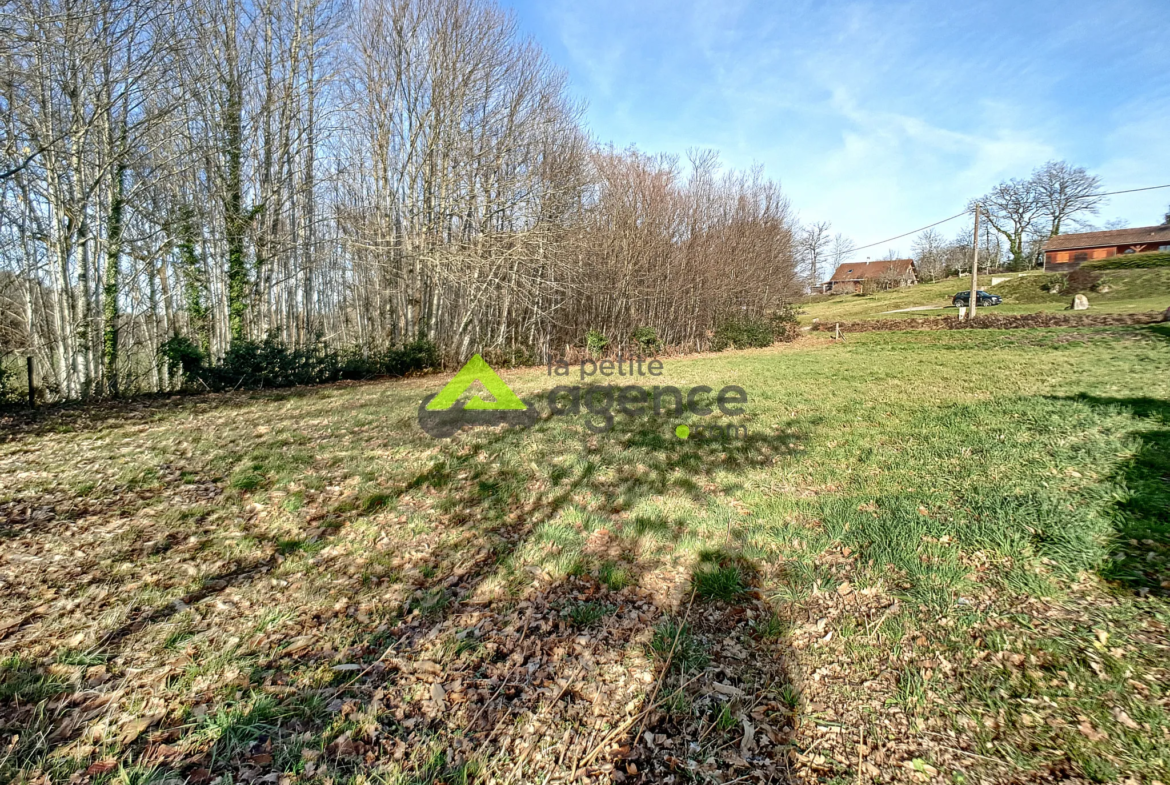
<point>879,116</point>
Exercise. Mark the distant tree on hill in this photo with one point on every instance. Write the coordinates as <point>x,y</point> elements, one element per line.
<point>1065,192</point>
<point>813,244</point>
<point>843,248</point>
<point>930,257</point>
<point>1025,212</point>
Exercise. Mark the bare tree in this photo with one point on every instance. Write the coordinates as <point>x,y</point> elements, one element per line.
<point>930,256</point>
<point>1027,212</point>
<point>1013,209</point>
<point>814,243</point>
<point>1065,192</point>
<point>843,248</point>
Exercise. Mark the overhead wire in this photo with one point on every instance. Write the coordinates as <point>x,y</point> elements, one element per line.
<point>968,212</point>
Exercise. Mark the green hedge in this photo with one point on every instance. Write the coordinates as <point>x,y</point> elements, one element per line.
<point>747,332</point>
<point>741,332</point>
<point>1133,261</point>
<point>271,363</point>
<point>9,394</point>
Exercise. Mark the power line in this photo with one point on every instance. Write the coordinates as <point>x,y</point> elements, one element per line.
<point>916,231</point>
<point>1135,190</point>
<point>967,212</point>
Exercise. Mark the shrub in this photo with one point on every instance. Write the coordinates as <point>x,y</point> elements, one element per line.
<point>742,332</point>
<point>647,340</point>
<point>1133,261</point>
<point>359,362</point>
<point>180,353</point>
<point>596,342</point>
<point>785,325</point>
<point>270,363</point>
<point>9,395</point>
<point>363,362</point>
<point>418,355</point>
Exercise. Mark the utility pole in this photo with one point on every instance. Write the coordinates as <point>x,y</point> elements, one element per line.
<point>975,267</point>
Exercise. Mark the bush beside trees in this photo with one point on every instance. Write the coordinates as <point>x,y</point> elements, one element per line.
<point>742,332</point>
<point>9,395</point>
<point>647,341</point>
<point>270,363</point>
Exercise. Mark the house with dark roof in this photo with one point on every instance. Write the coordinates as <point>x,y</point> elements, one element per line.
<point>853,277</point>
<point>1066,252</point>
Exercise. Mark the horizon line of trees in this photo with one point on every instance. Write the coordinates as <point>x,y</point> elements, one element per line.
<point>354,175</point>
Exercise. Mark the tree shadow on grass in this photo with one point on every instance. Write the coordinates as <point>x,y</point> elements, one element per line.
<point>623,699</point>
<point>1160,331</point>
<point>1140,551</point>
<point>526,628</point>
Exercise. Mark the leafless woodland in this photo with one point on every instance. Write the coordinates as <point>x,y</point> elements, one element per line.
<point>347,174</point>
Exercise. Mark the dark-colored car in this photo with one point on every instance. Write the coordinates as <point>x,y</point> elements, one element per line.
<point>982,298</point>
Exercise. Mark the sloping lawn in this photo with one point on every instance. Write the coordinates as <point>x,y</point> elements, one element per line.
<point>937,556</point>
<point>1129,291</point>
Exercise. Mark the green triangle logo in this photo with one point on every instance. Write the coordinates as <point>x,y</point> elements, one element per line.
<point>476,370</point>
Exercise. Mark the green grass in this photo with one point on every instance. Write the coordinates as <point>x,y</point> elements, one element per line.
<point>719,582</point>
<point>614,576</point>
<point>21,680</point>
<point>978,498</point>
<point>1130,291</point>
<point>232,729</point>
<point>676,641</point>
<point>586,614</point>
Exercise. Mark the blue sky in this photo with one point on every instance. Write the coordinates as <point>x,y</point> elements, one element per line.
<point>879,116</point>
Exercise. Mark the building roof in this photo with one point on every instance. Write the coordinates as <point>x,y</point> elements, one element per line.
<point>860,271</point>
<point>1142,234</point>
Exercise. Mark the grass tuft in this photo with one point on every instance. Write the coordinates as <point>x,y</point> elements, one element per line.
<point>689,652</point>
<point>586,614</point>
<point>725,582</point>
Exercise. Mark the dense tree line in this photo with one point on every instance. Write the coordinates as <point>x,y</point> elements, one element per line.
<point>221,173</point>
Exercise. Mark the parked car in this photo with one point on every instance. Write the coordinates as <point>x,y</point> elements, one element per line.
<point>983,298</point>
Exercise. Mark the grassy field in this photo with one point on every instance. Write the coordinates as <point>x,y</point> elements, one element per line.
<point>1130,291</point>
<point>935,556</point>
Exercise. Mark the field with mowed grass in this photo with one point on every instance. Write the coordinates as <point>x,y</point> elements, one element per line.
<point>1121,291</point>
<point>932,557</point>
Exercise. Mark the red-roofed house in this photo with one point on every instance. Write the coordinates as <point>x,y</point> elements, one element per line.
<point>1066,252</point>
<point>854,277</point>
